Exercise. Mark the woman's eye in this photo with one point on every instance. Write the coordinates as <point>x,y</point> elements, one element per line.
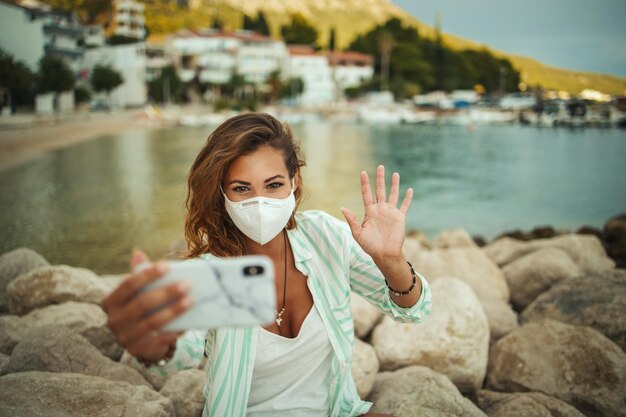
<point>240,189</point>
<point>275,185</point>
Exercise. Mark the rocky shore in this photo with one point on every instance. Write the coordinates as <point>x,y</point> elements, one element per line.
<point>532,327</point>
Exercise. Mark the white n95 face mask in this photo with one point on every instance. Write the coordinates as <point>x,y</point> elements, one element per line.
<point>261,218</point>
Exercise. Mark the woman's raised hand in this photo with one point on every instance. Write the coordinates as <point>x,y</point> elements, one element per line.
<point>381,234</point>
<point>138,331</point>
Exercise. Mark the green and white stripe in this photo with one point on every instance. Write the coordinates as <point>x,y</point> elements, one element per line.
<point>325,251</point>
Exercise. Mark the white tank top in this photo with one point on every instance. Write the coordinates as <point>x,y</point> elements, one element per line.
<point>291,377</point>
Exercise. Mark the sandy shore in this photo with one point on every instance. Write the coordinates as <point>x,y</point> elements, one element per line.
<point>25,137</point>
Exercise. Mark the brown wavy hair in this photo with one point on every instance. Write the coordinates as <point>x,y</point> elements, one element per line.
<point>208,227</point>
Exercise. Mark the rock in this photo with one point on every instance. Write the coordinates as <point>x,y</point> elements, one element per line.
<point>54,285</point>
<point>479,240</point>
<point>573,363</point>
<point>506,249</point>
<point>591,300</point>
<point>535,272</point>
<point>472,266</point>
<point>185,390</point>
<point>615,239</point>
<point>590,230</point>
<point>13,264</point>
<point>502,319</point>
<point>365,315</point>
<point>155,380</point>
<point>536,404</point>
<point>76,316</point>
<point>420,238</point>
<point>586,251</point>
<point>49,394</point>
<point>454,341</point>
<point>11,330</point>
<point>4,361</point>
<point>364,367</point>
<point>58,349</point>
<point>419,391</point>
<point>105,341</point>
<point>454,238</point>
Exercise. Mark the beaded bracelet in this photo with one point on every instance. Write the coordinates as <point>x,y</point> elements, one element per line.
<point>398,293</point>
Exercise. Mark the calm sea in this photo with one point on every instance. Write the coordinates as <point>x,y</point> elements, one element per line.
<point>89,204</point>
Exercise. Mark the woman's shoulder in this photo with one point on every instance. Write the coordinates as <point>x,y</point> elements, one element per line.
<point>319,221</point>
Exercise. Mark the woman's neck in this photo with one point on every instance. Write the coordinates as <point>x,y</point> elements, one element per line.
<point>273,248</point>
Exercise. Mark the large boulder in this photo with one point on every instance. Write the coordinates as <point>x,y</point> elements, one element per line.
<point>58,349</point>
<point>536,404</point>
<point>11,330</point>
<point>37,394</point>
<point>535,272</point>
<point>454,238</point>
<point>574,363</point>
<point>185,389</point>
<point>586,251</point>
<point>471,265</point>
<point>365,315</point>
<point>13,264</point>
<point>591,300</point>
<point>4,361</point>
<point>419,391</point>
<point>105,341</point>
<point>615,239</point>
<point>54,285</point>
<point>78,317</point>
<point>365,366</point>
<point>454,341</point>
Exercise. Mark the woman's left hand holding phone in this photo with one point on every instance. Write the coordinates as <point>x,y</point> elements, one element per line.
<point>131,315</point>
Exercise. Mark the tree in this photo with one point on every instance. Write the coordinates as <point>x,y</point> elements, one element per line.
<point>261,24</point>
<point>104,78</point>
<point>293,87</point>
<point>54,75</point>
<point>299,31</point>
<point>331,40</point>
<point>16,78</point>
<point>167,86</point>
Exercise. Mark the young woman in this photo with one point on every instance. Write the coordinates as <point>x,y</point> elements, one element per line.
<point>300,364</point>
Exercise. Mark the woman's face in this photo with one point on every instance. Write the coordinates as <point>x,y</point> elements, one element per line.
<point>261,173</point>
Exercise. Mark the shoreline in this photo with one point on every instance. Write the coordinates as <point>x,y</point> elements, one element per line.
<point>27,137</point>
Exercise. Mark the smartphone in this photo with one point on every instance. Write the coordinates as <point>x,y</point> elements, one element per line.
<point>237,291</point>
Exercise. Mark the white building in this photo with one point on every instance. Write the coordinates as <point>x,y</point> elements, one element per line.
<point>351,69</point>
<point>28,33</point>
<point>128,19</point>
<point>258,56</point>
<point>130,61</point>
<point>313,69</point>
<point>214,55</point>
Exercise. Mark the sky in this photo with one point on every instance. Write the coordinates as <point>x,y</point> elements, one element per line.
<point>587,35</point>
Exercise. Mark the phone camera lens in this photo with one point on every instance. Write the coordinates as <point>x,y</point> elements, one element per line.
<point>253,270</point>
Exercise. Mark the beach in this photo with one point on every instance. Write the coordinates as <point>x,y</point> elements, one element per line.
<point>27,136</point>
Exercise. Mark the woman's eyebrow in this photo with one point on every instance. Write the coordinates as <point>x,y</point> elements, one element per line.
<point>274,177</point>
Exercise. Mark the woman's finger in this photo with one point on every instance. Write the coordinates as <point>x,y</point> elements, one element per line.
<point>380,184</point>
<point>406,203</point>
<point>394,191</point>
<point>154,322</point>
<point>144,303</point>
<point>154,345</point>
<point>131,285</point>
<point>366,189</point>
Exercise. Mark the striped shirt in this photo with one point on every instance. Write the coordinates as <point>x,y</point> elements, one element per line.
<point>335,265</point>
